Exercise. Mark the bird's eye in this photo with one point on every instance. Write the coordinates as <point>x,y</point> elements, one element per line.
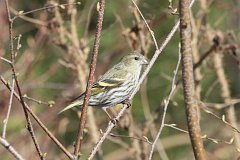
<point>136,58</point>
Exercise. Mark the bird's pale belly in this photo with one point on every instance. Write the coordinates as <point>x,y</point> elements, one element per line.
<point>111,98</point>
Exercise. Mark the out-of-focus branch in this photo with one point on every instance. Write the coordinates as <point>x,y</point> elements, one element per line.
<point>8,146</point>
<point>223,119</point>
<point>210,51</point>
<point>150,125</point>
<point>166,102</point>
<point>39,121</point>
<point>146,71</point>
<point>205,55</point>
<point>13,56</point>
<point>222,105</point>
<point>5,60</point>
<point>225,94</point>
<point>188,81</point>
<point>196,26</point>
<point>90,79</point>
<point>28,19</point>
<point>21,13</point>
<point>214,140</point>
<point>151,32</point>
<point>88,19</point>
<point>5,121</point>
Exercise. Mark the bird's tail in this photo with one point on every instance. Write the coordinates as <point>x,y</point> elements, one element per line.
<point>73,104</point>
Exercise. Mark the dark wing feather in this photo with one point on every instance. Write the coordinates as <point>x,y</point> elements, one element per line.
<point>102,86</point>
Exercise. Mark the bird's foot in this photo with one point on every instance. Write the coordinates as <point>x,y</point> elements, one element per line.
<point>127,102</point>
<point>114,121</point>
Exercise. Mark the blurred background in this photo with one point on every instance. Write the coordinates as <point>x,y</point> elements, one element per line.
<point>53,65</point>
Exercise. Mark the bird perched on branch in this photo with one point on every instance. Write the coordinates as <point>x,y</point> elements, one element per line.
<point>116,85</point>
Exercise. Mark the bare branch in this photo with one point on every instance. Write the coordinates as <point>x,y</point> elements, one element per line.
<point>21,13</point>
<point>8,146</point>
<point>188,81</point>
<point>225,94</point>
<point>222,105</point>
<point>144,139</point>
<point>5,60</point>
<point>49,103</point>
<point>220,118</point>
<point>90,79</point>
<point>150,30</point>
<point>29,124</point>
<point>5,121</point>
<point>210,51</point>
<point>214,140</point>
<point>39,121</point>
<point>166,102</point>
<point>88,18</point>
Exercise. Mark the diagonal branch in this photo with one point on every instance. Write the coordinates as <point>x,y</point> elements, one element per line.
<point>5,121</point>
<point>166,102</point>
<point>83,118</point>
<point>8,146</point>
<point>39,121</point>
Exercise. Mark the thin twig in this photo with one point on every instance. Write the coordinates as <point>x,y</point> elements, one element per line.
<point>8,146</point>
<point>28,19</point>
<point>11,92</point>
<point>5,121</point>
<point>18,44</point>
<point>29,124</point>
<point>144,139</point>
<point>174,127</point>
<point>166,102</point>
<point>214,140</point>
<point>146,71</point>
<point>205,55</point>
<point>39,122</point>
<point>150,121</point>
<point>119,142</point>
<point>150,30</point>
<point>5,60</point>
<point>223,119</point>
<point>188,81</point>
<point>49,103</point>
<point>222,105</point>
<point>21,13</point>
<point>90,79</point>
<point>86,29</point>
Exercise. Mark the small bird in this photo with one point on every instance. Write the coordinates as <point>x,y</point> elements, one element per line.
<point>116,85</point>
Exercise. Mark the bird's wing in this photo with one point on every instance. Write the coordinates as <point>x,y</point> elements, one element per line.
<point>106,84</point>
<point>101,86</point>
<point>98,87</point>
<point>113,78</point>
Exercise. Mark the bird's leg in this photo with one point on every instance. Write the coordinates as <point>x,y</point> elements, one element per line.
<point>113,120</point>
<point>127,102</point>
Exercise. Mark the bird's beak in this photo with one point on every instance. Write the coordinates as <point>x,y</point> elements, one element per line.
<point>145,62</point>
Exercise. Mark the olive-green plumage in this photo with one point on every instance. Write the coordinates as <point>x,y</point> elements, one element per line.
<point>116,85</point>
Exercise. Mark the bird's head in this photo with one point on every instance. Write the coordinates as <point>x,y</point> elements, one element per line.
<point>135,59</point>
